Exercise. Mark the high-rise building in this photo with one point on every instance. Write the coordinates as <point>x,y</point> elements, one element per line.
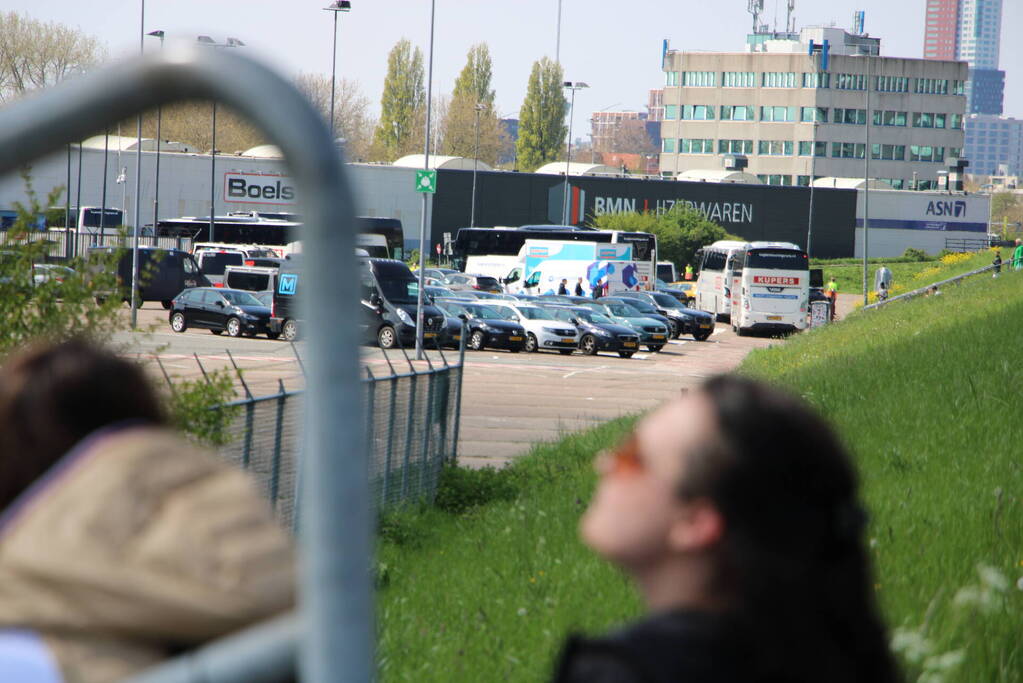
<point>796,115</point>
<point>969,30</point>
<point>994,145</point>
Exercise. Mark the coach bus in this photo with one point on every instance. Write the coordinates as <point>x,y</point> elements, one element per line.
<point>770,287</point>
<point>495,251</point>
<point>713,293</point>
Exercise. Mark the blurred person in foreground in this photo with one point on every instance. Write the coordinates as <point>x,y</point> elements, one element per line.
<point>734,510</point>
<point>121,544</point>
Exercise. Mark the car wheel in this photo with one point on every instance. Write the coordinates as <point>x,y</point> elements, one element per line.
<point>740,331</point>
<point>386,337</point>
<point>476,341</point>
<point>588,345</point>
<point>626,354</point>
<point>289,330</point>
<point>166,303</point>
<point>217,332</point>
<point>676,330</point>
<point>177,322</point>
<point>531,344</point>
<point>566,352</point>
<point>702,336</point>
<point>233,327</point>
<point>272,335</point>
<point>251,333</point>
<point>655,347</point>
<point>514,349</point>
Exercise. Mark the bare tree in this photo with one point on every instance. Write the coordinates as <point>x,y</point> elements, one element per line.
<point>351,110</point>
<point>630,137</point>
<point>36,54</point>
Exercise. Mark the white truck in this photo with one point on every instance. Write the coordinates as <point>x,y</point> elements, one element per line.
<point>543,264</point>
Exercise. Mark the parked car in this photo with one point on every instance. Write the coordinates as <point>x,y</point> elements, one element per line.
<point>647,309</point>
<point>699,324</point>
<point>483,283</point>
<point>652,334</point>
<point>251,278</point>
<point>389,293</point>
<point>436,292</point>
<point>688,289</point>
<point>439,273</point>
<point>597,332</point>
<point>543,329</point>
<point>487,326</point>
<point>51,272</point>
<point>163,273</point>
<point>213,263</point>
<point>662,286</point>
<point>234,311</point>
<point>265,298</point>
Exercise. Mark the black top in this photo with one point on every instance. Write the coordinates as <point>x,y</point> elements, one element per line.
<point>678,646</point>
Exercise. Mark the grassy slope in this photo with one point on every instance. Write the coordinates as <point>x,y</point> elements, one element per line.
<point>923,391</point>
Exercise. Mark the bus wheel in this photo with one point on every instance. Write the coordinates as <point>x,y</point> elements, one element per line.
<point>289,330</point>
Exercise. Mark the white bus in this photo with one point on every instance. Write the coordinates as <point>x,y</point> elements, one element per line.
<point>712,285</point>
<point>770,287</point>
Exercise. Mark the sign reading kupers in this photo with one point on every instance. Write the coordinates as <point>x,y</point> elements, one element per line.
<point>774,280</point>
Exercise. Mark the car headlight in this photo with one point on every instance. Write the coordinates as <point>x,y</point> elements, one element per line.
<point>245,316</point>
<point>550,330</point>
<point>489,330</point>
<point>602,333</point>
<point>405,318</point>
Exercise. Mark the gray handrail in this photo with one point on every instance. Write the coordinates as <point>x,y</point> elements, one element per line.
<point>337,613</point>
<point>923,290</point>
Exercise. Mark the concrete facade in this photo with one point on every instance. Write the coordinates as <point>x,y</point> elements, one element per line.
<point>778,141</point>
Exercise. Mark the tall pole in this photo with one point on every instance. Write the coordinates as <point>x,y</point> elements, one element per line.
<point>78,202</point>
<point>103,201</point>
<point>571,115</point>
<point>67,207</point>
<point>866,183</point>
<point>475,164</point>
<point>138,186</point>
<point>159,140</point>
<point>333,77</point>
<point>213,171</point>
<point>557,44</point>
<point>813,165</point>
<point>423,244</point>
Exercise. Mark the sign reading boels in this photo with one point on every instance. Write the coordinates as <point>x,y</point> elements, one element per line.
<point>258,188</point>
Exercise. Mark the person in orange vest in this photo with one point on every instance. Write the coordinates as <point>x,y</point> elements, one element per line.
<point>832,291</point>
<point>689,272</point>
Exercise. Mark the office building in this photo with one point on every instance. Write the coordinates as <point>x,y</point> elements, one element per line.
<point>969,30</point>
<point>994,145</point>
<point>794,115</point>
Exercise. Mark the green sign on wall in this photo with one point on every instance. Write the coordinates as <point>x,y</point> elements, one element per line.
<point>426,181</point>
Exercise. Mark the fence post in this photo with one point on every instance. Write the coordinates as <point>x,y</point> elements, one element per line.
<point>275,471</point>
<point>424,460</point>
<point>458,396</point>
<point>250,411</point>
<point>386,489</point>
<point>409,426</point>
<point>371,389</point>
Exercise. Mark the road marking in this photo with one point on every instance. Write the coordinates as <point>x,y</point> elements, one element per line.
<point>719,330</point>
<point>576,372</point>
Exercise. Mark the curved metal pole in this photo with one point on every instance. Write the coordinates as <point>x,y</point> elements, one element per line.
<point>337,611</point>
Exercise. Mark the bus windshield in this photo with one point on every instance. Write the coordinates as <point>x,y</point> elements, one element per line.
<point>777,259</point>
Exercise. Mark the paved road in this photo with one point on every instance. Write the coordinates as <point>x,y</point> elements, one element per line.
<point>509,401</point>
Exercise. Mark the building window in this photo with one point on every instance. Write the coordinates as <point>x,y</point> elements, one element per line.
<point>850,82</point>
<point>896,183</point>
<point>739,79</point>
<point>889,118</point>
<point>888,152</point>
<point>955,152</point>
<point>816,80</point>
<point>698,79</point>
<point>958,87</point>
<point>779,79</point>
<point>735,147</point>
<point>775,179</point>
<point>775,148</point>
<point>812,114</point>
<point>848,150</point>
<point>695,146</point>
<point>668,145</point>
<point>671,78</point>
<point>777,114</point>
<point>853,116</point>
<point>926,153</point>
<point>670,112</point>
<point>928,120</point>
<point>820,148</point>
<point>736,113</point>
<point>931,86</point>
<point>892,84</point>
<point>697,112</point>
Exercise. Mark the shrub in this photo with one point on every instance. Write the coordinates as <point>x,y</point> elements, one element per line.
<point>462,488</point>
<point>916,254</point>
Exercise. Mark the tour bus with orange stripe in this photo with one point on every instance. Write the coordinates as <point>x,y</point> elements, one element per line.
<point>769,288</point>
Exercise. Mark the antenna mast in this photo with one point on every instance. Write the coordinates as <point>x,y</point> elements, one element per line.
<point>790,19</point>
<point>756,7</point>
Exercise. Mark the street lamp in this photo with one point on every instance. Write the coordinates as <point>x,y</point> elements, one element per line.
<point>424,244</point>
<point>159,121</point>
<point>475,162</point>
<point>206,41</point>
<point>577,85</point>
<point>335,7</point>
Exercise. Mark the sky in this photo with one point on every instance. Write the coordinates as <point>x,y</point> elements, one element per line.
<point>614,47</point>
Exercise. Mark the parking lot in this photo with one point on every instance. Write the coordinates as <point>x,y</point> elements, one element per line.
<point>509,401</point>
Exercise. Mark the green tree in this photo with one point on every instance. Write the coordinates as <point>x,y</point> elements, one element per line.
<point>473,97</point>
<point>1006,210</point>
<point>680,231</point>
<point>402,106</point>
<point>542,128</point>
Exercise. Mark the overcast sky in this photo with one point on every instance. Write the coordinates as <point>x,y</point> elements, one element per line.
<point>615,47</point>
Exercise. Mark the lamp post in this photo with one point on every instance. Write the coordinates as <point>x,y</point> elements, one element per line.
<point>557,44</point>
<point>159,121</point>
<point>335,7</point>
<point>573,86</point>
<point>424,245</point>
<point>209,42</point>
<point>475,162</point>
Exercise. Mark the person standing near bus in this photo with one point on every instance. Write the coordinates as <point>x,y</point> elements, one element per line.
<point>832,291</point>
<point>689,272</point>
<point>579,287</point>
<point>563,287</point>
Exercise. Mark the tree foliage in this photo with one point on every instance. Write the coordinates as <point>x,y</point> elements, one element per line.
<point>1006,208</point>
<point>402,105</point>
<point>542,127</point>
<point>36,54</point>
<point>191,122</point>
<point>680,231</point>
<point>471,109</point>
<point>630,137</point>
<point>352,120</point>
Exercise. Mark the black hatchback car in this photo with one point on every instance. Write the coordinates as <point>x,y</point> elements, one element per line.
<point>487,327</point>
<point>699,324</point>
<point>234,311</point>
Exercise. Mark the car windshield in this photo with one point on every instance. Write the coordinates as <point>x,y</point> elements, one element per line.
<point>642,306</point>
<point>666,300</point>
<point>621,310</point>
<point>240,298</point>
<point>536,314</point>
<point>601,319</point>
<point>503,312</point>
<point>481,311</point>
<point>399,290</point>
<point>214,263</point>
<point>488,282</point>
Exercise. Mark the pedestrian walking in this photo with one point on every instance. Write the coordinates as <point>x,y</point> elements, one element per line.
<point>579,287</point>
<point>1017,255</point>
<point>997,263</point>
<point>832,292</point>
<point>735,511</point>
<point>563,287</point>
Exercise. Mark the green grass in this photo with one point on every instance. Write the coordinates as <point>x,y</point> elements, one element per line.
<point>906,276</point>
<point>925,392</point>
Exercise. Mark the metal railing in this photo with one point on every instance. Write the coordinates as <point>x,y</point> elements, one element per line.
<point>962,244</point>
<point>336,613</point>
<point>412,418</point>
<point>923,290</point>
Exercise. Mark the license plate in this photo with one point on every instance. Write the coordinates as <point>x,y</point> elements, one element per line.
<point>774,317</point>
<point>705,326</point>
<point>568,340</point>
<point>428,335</point>
<point>658,336</point>
<point>629,344</point>
<point>457,337</point>
<point>515,338</point>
